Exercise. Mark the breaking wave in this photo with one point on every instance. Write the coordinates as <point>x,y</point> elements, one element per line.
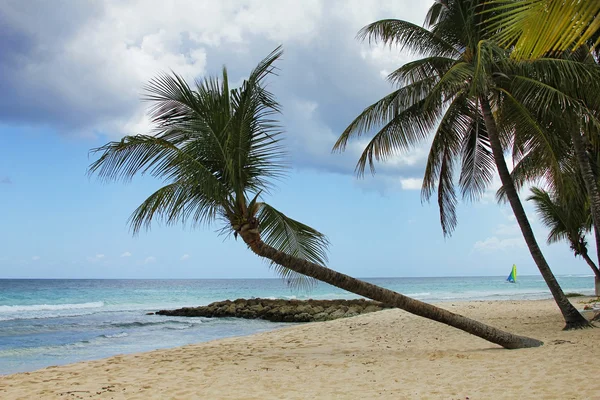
<point>51,307</point>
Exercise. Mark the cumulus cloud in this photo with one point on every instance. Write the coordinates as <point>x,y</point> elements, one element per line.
<point>185,257</point>
<point>494,243</point>
<point>149,260</point>
<point>411,183</point>
<point>126,254</point>
<point>93,60</point>
<point>508,230</point>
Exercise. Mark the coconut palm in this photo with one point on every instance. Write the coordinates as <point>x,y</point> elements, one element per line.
<point>218,151</point>
<point>477,101</point>
<point>568,219</point>
<point>539,27</point>
<point>560,28</point>
<point>574,142</point>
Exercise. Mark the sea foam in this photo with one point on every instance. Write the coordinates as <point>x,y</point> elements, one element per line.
<point>50,307</point>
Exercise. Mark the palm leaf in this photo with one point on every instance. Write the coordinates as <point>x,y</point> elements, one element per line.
<point>439,170</point>
<point>421,70</point>
<point>539,27</point>
<point>179,202</point>
<point>292,238</point>
<point>385,110</point>
<point>478,166</point>
<point>408,36</point>
<point>401,133</point>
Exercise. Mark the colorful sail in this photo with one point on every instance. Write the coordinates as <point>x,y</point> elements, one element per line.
<point>512,278</point>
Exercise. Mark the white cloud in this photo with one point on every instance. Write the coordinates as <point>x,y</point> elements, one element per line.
<point>185,257</point>
<point>494,243</point>
<point>508,230</point>
<point>36,258</point>
<point>411,183</point>
<point>327,75</point>
<point>149,260</point>
<point>126,254</point>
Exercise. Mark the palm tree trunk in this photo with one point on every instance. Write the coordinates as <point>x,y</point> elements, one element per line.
<point>573,318</point>
<point>591,183</point>
<point>596,273</point>
<point>370,291</point>
<point>591,264</point>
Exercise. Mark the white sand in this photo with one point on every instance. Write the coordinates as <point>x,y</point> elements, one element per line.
<point>389,355</point>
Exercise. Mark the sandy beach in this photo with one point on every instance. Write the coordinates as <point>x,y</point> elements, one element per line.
<point>388,354</point>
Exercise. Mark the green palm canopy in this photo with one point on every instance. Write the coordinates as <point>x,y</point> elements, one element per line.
<point>477,103</point>
<point>218,150</point>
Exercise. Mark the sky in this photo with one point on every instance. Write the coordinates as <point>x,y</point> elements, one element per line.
<point>72,76</point>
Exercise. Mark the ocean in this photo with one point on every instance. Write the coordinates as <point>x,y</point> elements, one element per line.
<point>52,322</point>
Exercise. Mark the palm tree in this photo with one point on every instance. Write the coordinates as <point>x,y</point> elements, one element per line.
<point>218,150</point>
<point>477,101</point>
<point>568,218</point>
<point>539,27</point>
<point>562,28</point>
<point>573,142</point>
<point>536,28</point>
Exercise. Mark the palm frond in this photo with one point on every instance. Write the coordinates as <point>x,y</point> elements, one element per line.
<point>401,133</point>
<point>408,36</point>
<point>566,214</point>
<point>455,80</point>
<point>178,203</point>
<point>293,238</point>
<point>529,135</point>
<point>421,70</point>
<point>439,170</point>
<point>253,143</point>
<point>550,214</point>
<point>478,166</point>
<point>385,110</point>
<point>161,156</point>
<point>539,27</point>
<point>435,13</point>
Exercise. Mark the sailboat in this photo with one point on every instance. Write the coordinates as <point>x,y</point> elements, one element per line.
<point>512,277</point>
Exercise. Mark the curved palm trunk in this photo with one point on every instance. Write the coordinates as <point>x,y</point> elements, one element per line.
<point>596,273</point>
<point>591,264</point>
<point>573,318</point>
<point>370,291</point>
<point>591,184</point>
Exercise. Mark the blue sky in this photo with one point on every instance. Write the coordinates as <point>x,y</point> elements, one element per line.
<point>71,76</point>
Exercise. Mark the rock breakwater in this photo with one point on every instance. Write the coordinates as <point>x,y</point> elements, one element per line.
<point>280,310</point>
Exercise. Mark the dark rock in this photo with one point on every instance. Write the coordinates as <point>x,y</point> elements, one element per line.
<point>149,313</point>
<point>280,310</point>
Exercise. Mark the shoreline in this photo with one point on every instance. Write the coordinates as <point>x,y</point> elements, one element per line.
<point>385,354</point>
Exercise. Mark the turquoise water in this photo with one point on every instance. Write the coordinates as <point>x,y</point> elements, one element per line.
<point>54,322</point>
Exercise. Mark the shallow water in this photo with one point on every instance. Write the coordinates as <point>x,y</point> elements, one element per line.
<point>53,322</point>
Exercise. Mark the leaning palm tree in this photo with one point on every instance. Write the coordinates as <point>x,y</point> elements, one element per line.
<point>477,101</point>
<point>568,219</point>
<point>539,27</point>
<point>218,150</point>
